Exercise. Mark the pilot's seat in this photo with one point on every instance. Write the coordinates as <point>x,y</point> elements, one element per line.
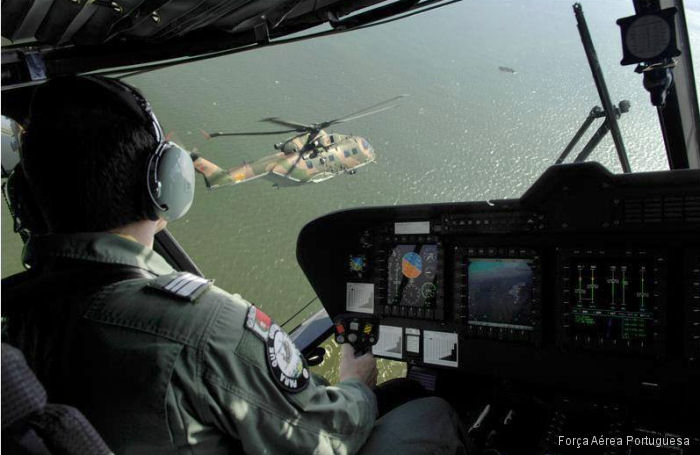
<point>32,426</point>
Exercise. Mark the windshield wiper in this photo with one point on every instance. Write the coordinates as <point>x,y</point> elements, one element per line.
<point>609,111</point>
<point>596,112</point>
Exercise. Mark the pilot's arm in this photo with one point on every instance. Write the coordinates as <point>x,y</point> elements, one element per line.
<point>260,391</point>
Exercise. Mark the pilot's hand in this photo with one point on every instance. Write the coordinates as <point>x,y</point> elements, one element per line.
<point>363,367</point>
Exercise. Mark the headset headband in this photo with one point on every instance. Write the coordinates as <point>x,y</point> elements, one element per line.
<point>169,172</point>
<point>134,101</point>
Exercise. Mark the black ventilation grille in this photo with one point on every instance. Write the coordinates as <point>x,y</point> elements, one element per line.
<point>680,209</point>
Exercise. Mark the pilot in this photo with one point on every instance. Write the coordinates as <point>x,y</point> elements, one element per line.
<point>163,362</point>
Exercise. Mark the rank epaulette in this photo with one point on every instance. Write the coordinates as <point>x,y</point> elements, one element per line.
<point>183,285</point>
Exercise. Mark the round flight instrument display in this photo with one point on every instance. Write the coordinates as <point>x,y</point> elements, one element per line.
<point>413,277</point>
<point>428,290</point>
<point>411,293</point>
<point>411,265</point>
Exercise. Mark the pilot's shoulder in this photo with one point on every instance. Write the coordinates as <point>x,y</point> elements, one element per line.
<point>180,306</point>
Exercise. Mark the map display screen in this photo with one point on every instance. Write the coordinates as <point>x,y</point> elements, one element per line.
<point>500,293</point>
<point>413,277</point>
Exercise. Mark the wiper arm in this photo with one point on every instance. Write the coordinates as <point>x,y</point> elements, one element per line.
<point>596,112</point>
<point>608,107</point>
<point>602,131</point>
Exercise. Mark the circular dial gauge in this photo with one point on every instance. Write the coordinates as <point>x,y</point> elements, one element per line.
<point>411,294</point>
<point>428,291</point>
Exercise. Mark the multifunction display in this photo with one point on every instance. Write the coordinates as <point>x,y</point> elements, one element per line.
<point>611,299</point>
<point>500,293</point>
<point>413,276</point>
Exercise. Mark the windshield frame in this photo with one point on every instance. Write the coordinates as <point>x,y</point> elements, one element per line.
<point>679,117</point>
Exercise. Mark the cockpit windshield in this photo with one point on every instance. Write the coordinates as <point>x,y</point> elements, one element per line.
<point>496,91</point>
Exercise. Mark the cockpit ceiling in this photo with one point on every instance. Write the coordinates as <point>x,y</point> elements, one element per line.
<point>95,22</point>
<point>77,36</point>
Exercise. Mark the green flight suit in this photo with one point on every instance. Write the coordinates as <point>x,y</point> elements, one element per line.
<point>158,374</point>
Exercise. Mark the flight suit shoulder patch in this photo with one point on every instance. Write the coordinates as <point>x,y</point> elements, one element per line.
<point>182,285</point>
<point>285,363</point>
<point>258,322</point>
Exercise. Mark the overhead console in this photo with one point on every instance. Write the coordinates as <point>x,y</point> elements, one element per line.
<point>590,279</point>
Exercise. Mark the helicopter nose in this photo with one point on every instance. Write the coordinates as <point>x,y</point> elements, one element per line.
<point>370,151</point>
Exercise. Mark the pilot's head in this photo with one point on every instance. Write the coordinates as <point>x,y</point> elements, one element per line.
<point>96,159</point>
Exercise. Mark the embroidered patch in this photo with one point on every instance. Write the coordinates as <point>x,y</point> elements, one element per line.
<point>184,285</point>
<point>258,322</point>
<point>287,365</point>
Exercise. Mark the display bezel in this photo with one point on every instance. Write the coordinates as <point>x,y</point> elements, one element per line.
<point>386,308</point>
<point>567,339</point>
<point>463,256</point>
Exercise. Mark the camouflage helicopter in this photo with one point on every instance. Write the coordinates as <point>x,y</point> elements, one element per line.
<point>313,155</point>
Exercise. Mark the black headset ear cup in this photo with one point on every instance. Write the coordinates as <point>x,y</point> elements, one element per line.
<point>27,216</point>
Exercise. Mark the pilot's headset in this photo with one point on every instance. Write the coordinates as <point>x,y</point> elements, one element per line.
<point>26,215</point>
<point>27,218</point>
<point>170,175</point>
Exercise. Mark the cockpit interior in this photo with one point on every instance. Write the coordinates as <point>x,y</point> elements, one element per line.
<point>574,310</point>
<point>564,321</point>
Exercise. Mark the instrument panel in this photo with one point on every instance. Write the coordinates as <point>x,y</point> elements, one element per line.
<point>589,279</point>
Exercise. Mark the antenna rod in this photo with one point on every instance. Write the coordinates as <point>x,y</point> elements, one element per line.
<point>608,106</point>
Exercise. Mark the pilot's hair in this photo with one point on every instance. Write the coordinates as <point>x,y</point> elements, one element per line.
<point>85,155</point>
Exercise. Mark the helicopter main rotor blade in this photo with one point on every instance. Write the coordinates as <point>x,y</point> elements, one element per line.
<point>370,110</point>
<point>355,117</point>
<point>247,133</point>
<point>288,123</point>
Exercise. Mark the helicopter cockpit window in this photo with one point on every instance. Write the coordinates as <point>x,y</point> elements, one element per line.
<point>495,90</point>
<point>331,157</point>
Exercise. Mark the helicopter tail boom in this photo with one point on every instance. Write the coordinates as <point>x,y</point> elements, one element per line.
<point>210,171</point>
<point>215,176</point>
